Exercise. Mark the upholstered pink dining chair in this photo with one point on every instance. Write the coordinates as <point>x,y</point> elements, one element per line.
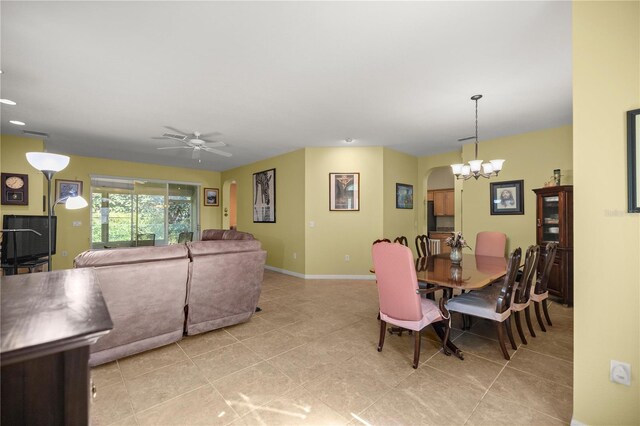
<point>399,295</point>
<point>489,243</point>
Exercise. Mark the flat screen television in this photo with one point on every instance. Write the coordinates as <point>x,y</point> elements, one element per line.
<point>28,246</point>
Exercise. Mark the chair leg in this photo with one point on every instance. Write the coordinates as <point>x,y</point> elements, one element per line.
<point>516,314</point>
<point>445,340</point>
<point>383,326</point>
<point>546,311</point>
<point>527,315</point>
<point>507,324</point>
<point>539,316</point>
<point>416,351</point>
<point>501,340</point>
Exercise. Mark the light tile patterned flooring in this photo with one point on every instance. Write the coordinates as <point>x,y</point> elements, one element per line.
<point>310,358</point>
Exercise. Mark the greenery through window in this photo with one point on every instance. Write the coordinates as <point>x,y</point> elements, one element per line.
<point>124,212</point>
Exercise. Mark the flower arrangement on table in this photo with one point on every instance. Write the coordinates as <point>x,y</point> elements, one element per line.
<point>457,241</point>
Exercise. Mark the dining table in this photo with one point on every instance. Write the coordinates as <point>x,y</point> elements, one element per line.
<point>472,273</point>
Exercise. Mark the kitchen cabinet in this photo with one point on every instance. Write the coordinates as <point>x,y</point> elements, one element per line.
<point>554,224</point>
<point>443,202</point>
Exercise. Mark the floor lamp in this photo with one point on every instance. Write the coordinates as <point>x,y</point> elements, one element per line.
<point>49,164</point>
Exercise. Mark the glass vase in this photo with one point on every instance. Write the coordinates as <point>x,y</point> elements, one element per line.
<point>456,255</point>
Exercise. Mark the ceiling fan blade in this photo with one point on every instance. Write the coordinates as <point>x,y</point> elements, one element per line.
<point>217,151</point>
<point>213,143</point>
<point>160,137</point>
<point>195,155</point>
<point>173,129</point>
<point>174,147</point>
<point>466,139</point>
<point>206,135</point>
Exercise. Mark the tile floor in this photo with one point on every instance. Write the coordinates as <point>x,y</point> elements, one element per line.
<point>310,358</point>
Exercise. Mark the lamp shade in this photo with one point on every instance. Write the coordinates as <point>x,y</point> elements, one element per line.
<point>475,165</point>
<point>497,164</point>
<point>457,168</point>
<point>76,202</point>
<point>47,161</point>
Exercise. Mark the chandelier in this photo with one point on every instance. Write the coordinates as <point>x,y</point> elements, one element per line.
<point>476,168</point>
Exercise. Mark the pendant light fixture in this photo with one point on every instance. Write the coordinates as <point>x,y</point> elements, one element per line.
<point>476,168</point>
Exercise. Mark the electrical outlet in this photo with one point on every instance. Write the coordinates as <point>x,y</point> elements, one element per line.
<point>312,224</point>
<point>295,255</point>
<point>64,253</point>
<point>347,258</point>
<point>620,372</point>
<point>77,223</point>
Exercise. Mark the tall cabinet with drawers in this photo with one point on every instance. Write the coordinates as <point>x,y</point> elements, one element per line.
<point>554,223</point>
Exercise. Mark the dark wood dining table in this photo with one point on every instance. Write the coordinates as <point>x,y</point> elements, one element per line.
<point>473,273</point>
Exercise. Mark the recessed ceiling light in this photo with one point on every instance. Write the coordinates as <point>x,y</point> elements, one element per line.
<point>16,122</point>
<point>349,140</point>
<point>7,102</point>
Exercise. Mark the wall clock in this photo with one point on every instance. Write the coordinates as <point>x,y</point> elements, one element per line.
<point>15,189</point>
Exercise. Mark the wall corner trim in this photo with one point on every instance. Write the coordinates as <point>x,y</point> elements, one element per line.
<point>321,277</point>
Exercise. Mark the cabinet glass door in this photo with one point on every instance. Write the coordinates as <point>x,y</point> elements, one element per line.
<point>550,219</point>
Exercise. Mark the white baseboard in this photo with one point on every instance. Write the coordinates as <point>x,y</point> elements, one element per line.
<point>575,422</point>
<point>320,277</point>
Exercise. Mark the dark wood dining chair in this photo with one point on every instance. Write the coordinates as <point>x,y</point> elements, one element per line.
<point>423,247</point>
<point>398,293</point>
<point>402,240</point>
<point>145,240</point>
<point>539,293</point>
<point>522,293</point>
<point>184,237</point>
<point>491,306</point>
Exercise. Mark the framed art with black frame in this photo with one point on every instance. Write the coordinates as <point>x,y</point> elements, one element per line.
<point>264,196</point>
<point>404,196</point>
<point>344,192</point>
<point>507,197</point>
<point>633,160</point>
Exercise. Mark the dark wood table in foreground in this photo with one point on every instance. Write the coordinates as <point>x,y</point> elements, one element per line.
<point>49,319</point>
<point>473,273</point>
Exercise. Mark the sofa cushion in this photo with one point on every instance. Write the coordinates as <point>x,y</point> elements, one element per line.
<point>206,248</point>
<point>125,256</point>
<point>225,234</point>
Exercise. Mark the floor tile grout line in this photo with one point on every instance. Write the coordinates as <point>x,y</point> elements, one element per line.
<point>540,377</point>
<point>486,392</point>
<point>171,399</point>
<point>126,389</point>
<point>549,355</point>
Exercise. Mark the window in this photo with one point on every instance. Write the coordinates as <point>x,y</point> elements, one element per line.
<point>126,212</point>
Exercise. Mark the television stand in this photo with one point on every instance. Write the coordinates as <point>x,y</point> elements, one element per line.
<point>11,269</point>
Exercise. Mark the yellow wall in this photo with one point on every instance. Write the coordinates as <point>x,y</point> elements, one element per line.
<point>13,160</point>
<point>400,168</point>
<point>531,157</point>
<point>606,84</point>
<point>285,237</point>
<point>340,233</point>
<point>74,240</point>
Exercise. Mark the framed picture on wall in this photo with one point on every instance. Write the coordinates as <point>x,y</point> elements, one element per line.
<point>68,188</point>
<point>404,196</point>
<point>507,197</point>
<point>633,160</point>
<point>211,197</point>
<point>344,191</point>
<point>264,196</point>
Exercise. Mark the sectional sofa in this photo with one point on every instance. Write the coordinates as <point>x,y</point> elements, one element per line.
<point>155,295</point>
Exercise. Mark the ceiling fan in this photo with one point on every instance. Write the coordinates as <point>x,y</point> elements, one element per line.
<point>194,141</point>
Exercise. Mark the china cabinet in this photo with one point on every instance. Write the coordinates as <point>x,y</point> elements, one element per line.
<point>554,223</point>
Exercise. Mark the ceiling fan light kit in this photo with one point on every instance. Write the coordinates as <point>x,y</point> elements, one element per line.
<point>194,141</point>
<point>476,168</point>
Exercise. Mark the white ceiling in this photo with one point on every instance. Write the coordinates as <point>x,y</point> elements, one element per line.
<point>102,78</point>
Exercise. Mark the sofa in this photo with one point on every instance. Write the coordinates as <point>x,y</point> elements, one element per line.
<point>155,295</point>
